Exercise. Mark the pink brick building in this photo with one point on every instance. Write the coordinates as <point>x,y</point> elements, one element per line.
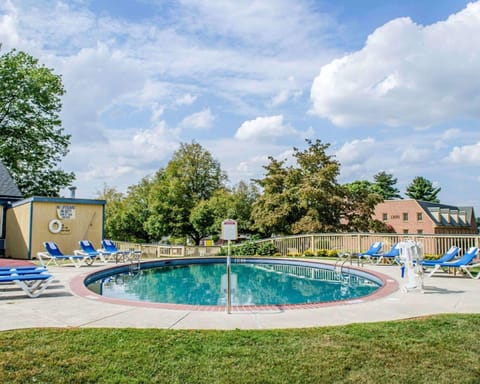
<point>421,217</point>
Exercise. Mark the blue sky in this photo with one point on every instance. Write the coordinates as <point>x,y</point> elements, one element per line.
<point>392,85</point>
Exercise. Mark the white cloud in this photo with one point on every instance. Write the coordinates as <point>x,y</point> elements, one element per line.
<point>467,154</point>
<point>186,99</point>
<point>157,112</point>
<point>406,74</point>
<point>279,24</point>
<point>357,151</point>
<point>268,127</point>
<point>8,26</point>
<point>243,160</point>
<point>199,120</point>
<point>96,79</point>
<point>149,143</point>
<point>413,154</point>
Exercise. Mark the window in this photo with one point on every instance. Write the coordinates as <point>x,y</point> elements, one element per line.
<point>405,216</point>
<point>419,216</point>
<point>405,231</point>
<point>420,231</point>
<point>384,216</point>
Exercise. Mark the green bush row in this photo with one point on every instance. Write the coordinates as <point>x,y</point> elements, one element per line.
<point>318,253</point>
<point>251,248</point>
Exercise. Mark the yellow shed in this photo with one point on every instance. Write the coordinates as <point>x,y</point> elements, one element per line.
<point>66,221</point>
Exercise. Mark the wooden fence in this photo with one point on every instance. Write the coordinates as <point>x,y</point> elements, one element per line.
<point>297,245</point>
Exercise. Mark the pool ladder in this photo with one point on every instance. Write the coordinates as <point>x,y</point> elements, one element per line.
<point>339,266</point>
<point>134,266</point>
<point>341,276</point>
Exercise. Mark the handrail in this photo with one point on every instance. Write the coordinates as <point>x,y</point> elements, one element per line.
<point>345,242</point>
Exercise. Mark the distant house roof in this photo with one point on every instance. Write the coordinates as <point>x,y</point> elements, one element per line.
<point>8,188</point>
<point>448,215</point>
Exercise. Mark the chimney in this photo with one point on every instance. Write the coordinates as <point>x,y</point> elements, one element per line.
<point>72,191</point>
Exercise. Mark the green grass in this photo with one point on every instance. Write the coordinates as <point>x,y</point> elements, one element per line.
<point>438,349</point>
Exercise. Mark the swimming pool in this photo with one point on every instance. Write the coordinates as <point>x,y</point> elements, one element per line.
<point>256,282</point>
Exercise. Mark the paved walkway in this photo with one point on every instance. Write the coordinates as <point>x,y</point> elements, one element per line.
<point>60,307</point>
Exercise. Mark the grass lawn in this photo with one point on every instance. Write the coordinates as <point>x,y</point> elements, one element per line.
<point>438,349</point>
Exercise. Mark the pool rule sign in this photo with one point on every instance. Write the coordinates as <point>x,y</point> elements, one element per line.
<point>229,233</point>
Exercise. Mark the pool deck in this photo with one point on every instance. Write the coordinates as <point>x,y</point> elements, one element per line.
<point>62,306</point>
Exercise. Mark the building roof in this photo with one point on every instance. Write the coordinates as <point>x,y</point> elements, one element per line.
<point>448,215</point>
<point>8,188</point>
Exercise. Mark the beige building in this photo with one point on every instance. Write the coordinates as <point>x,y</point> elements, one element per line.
<point>422,217</point>
<point>66,221</point>
<point>26,224</point>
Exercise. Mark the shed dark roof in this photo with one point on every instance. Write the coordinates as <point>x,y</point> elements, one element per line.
<point>8,188</point>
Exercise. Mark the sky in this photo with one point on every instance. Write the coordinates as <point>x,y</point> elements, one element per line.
<point>391,85</point>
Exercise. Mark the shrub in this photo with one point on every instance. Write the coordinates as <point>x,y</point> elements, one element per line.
<point>309,253</point>
<point>322,252</point>
<point>249,248</point>
<point>332,253</point>
<point>266,249</point>
<point>293,253</point>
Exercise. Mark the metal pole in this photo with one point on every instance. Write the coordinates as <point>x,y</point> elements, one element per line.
<point>229,288</point>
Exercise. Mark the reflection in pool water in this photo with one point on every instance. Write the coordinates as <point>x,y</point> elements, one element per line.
<point>252,284</point>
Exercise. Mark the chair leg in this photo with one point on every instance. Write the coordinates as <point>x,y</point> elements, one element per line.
<point>35,289</point>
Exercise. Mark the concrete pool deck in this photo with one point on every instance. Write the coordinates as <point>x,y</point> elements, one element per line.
<point>60,306</point>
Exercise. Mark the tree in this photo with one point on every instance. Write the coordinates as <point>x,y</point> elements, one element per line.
<point>224,204</point>
<point>277,208</point>
<point>422,189</point>
<point>385,184</point>
<point>113,210</point>
<point>126,215</point>
<point>320,195</point>
<point>32,141</point>
<point>361,197</point>
<point>191,176</point>
<point>305,198</point>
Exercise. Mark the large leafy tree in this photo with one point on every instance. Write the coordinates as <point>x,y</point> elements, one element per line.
<point>236,204</point>
<point>191,176</point>
<point>320,196</point>
<point>385,185</point>
<point>277,208</point>
<point>126,215</point>
<point>422,189</point>
<point>361,197</point>
<point>302,198</point>
<point>32,141</point>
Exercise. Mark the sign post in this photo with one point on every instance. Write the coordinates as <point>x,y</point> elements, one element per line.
<point>229,233</point>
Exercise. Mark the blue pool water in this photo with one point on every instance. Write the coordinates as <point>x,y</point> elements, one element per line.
<point>254,282</point>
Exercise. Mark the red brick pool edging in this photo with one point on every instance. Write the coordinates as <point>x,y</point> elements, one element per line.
<point>389,286</point>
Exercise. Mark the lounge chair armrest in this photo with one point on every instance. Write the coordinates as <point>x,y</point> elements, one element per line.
<point>42,254</point>
<point>79,252</point>
<point>471,265</point>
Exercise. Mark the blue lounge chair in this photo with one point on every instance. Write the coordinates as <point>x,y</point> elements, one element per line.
<point>373,250</point>
<point>54,255</point>
<point>109,246</point>
<point>22,269</point>
<point>88,249</point>
<point>448,256</point>
<point>460,264</point>
<point>390,256</point>
<point>32,283</point>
